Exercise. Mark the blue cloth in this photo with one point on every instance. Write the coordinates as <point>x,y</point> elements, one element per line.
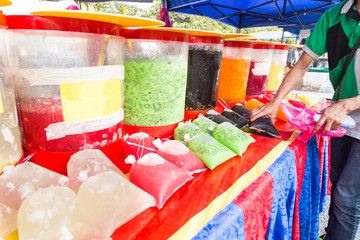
<point>325,175</point>
<point>227,224</point>
<point>309,203</point>
<point>283,172</point>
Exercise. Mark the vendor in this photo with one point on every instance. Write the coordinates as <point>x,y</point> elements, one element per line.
<point>337,33</point>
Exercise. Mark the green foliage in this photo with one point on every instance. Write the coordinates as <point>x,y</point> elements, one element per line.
<point>179,20</point>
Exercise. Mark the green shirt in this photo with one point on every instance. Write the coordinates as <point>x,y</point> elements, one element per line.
<point>336,33</point>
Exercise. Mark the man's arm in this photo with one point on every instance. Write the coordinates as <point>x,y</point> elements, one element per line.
<point>291,80</point>
<point>334,115</point>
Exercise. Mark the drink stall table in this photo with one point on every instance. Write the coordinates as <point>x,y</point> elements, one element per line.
<point>265,194</point>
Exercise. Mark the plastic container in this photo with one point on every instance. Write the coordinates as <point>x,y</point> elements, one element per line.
<point>234,71</point>
<point>156,64</point>
<point>69,77</point>
<point>205,51</point>
<point>259,68</point>
<point>10,144</point>
<point>278,64</point>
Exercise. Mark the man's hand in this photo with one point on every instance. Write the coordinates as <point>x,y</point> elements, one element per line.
<point>291,80</point>
<point>332,116</point>
<point>269,109</point>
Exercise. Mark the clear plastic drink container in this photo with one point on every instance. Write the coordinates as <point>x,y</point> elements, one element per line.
<point>156,63</point>
<point>234,71</point>
<point>278,64</point>
<point>10,144</point>
<point>259,68</point>
<point>205,51</point>
<point>68,79</point>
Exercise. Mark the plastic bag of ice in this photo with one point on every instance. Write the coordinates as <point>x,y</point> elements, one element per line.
<point>209,150</point>
<point>158,177</point>
<point>185,131</point>
<point>8,220</point>
<point>20,181</point>
<point>178,154</point>
<point>205,124</point>
<point>109,200</point>
<point>139,144</point>
<point>232,137</point>
<point>89,162</point>
<point>47,213</point>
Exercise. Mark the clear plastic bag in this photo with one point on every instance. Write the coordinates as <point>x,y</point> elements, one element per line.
<point>232,137</point>
<point>139,144</point>
<point>209,150</point>
<point>205,124</point>
<point>302,119</point>
<point>185,131</point>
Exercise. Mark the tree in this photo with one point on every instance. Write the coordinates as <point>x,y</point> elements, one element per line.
<point>180,20</point>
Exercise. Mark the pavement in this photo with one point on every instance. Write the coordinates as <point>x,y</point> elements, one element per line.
<point>323,219</point>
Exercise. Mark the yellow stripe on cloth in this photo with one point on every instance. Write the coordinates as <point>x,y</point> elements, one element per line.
<point>195,224</point>
<point>13,236</point>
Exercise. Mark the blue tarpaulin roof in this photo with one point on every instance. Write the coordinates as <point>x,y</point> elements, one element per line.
<point>290,14</point>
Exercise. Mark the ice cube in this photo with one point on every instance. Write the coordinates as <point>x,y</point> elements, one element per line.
<point>17,183</point>
<point>109,200</point>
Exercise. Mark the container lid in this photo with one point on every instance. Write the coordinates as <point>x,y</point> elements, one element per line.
<point>263,45</point>
<point>279,46</point>
<point>238,43</point>
<point>122,20</point>
<point>229,36</point>
<point>155,34</point>
<point>4,3</point>
<point>201,36</point>
<point>197,36</point>
<point>33,22</point>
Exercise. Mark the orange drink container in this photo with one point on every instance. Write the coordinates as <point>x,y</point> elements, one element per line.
<point>234,71</point>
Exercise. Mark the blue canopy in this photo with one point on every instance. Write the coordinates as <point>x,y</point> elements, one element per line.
<point>289,14</point>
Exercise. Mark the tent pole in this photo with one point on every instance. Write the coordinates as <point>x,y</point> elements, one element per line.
<point>164,3</point>
<point>282,36</point>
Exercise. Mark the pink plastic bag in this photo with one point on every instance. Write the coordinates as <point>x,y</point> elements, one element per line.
<point>158,177</point>
<point>302,119</point>
<point>139,144</point>
<point>298,103</point>
<point>178,154</point>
